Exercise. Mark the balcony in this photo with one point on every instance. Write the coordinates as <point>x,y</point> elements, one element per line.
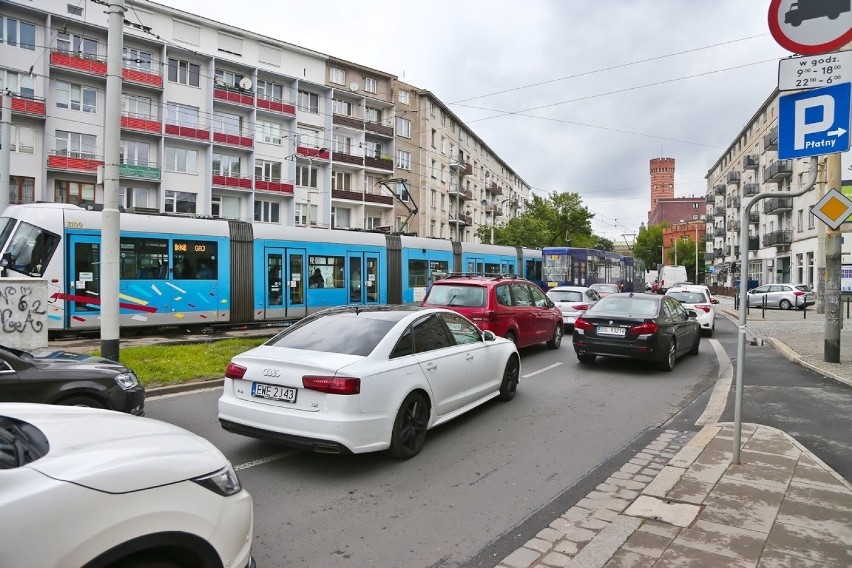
<point>777,205</point>
<point>719,211</point>
<point>276,107</point>
<point>709,237</point>
<point>719,189</point>
<point>778,239</point>
<point>385,164</point>
<point>778,171</point>
<point>348,121</point>
<point>733,177</point>
<point>231,137</point>
<point>144,171</point>
<point>770,140</point>
<point>751,162</point>
<point>711,198</point>
<point>188,131</point>
<point>494,189</point>
<point>274,185</point>
<point>457,192</point>
<point>31,106</point>
<point>85,65</point>
<point>709,256</point>
<point>751,189</point>
<point>753,217</point>
<point>753,243</point>
<point>718,253</point>
<point>719,231</point>
<point>73,162</point>
<point>378,198</point>
<point>231,181</point>
<point>460,219</point>
<point>733,202</point>
<point>461,168</point>
<point>380,129</point>
<point>344,158</point>
<point>142,77</point>
<point>347,194</point>
<point>708,218</point>
<point>141,124</point>
<point>233,95</point>
<point>734,225</point>
<point>313,153</point>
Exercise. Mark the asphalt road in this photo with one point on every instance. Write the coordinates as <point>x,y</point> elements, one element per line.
<point>482,480</point>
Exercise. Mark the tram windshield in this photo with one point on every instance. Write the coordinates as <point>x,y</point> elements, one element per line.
<point>31,249</point>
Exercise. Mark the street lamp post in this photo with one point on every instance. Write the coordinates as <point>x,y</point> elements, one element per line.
<point>492,208</point>
<point>696,253</point>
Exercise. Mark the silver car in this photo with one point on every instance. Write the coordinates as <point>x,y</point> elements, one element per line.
<point>784,296</point>
<point>572,301</point>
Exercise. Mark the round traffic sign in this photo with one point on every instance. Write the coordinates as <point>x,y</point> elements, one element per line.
<point>811,27</point>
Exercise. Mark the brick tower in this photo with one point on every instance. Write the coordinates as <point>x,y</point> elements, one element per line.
<point>662,180</point>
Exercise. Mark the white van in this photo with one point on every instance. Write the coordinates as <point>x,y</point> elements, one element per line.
<point>670,275</point>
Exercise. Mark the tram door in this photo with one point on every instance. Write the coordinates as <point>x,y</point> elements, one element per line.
<point>476,265</point>
<point>284,284</point>
<point>364,285</point>
<point>83,280</point>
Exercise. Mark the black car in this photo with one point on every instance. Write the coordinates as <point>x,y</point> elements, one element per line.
<point>58,377</point>
<point>637,326</point>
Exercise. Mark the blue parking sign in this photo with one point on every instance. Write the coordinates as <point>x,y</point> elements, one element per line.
<point>814,122</point>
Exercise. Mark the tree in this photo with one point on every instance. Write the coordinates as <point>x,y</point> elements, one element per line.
<point>558,220</point>
<point>685,255</point>
<point>648,246</point>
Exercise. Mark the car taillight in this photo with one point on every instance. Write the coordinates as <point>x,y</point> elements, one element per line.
<point>332,385</point>
<point>705,307</point>
<point>234,371</point>
<point>581,307</point>
<point>582,324</point>
<point>648,327</point>
<point>798,293</point>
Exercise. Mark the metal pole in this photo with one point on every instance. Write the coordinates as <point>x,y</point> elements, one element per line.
<point>821,252</point>
<point>833,253</point>
<point>696,253</point>
<point>111,217</point>
<point>741,337</point>
<point>5,152</point>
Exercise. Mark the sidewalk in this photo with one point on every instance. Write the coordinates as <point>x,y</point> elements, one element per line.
<point>681,502</point>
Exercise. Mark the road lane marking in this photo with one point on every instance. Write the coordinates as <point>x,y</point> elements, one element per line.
<point>262,461</point>
<point>549,367</point>
<point>184,393</point>
<point>719,398</point>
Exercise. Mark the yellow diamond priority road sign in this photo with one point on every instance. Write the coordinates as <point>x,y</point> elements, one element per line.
<point>833,208</point>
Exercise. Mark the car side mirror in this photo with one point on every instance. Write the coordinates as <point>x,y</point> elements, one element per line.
<point>714,301</point>
<point>488,335</point>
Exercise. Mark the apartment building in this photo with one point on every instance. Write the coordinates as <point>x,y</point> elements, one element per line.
<point>782,233</point>
<point>223,122</point>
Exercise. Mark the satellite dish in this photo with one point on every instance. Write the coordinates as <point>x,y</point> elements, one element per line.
<point>353,86</point>
<point>245,84</point>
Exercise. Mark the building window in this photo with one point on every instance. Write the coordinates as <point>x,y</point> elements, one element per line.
<point>181,160</point>
<point>137,59</point>
<point>227,123</point>
<point>75,145</point>
<point>18,83</point>
<point>337,76</point>
<point>22,139</point>
<point>301,210</point>
<point>308,102</point>
<point>434,136</point>
<point>76,97</point>
<point>131,197</point>
<point>267,90</point>
<point>800,218</point>
<point>267,171</point>
<point>269,132</point>
<point>434,170</point>
<point>341,107</point>
<point>340,217</point>
<point>372,114</point>
<point>16,33</point>
<point>374,149</point>
<point>404,97</point>
<point>180,202</point>
<point>182,115</point>
<point>403,127</point>
<point>136,106</point>
<point>372,223</point>
<point>342,144</point>
<point>21,189</point>
<point>401,191</point>
<point>74,192</point>
<point>134,153</point>
<point>267,211</point>
<point>184,72</point>
<point>308,137</point>
<point>403,159</point>
<point>226,165</point>
<point>369,85</point>
<point>342,181</point>
<point>306,176</point>
<point>78,45</point>
<point>811,220</point>
<point>228,78</point>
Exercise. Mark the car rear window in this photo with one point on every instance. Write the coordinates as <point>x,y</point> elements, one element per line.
<point>804,288</point>
<point>350,334</point>
<point>565,296</point>
<point>688,297</point>
<point>456,295</point>
<point>625,306</point>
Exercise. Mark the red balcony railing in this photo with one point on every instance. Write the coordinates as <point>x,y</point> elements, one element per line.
<point>27,105</point>
<point>233,139</point>
<point>141,77</point>
<point>318,153</point>
<point>227,95</point>
<point>73,162</point>
<point>88,64</point>
<point>188,132</point>
<point>273,185</point>
<point>238,182</point>
<point>141,124</point>
<point>276,106</point>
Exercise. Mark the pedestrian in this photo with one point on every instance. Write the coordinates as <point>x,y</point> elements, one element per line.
<point>316,280</point>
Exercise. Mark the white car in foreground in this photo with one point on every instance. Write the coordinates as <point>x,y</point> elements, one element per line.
<point>97,488</point>
<point>362,379</point>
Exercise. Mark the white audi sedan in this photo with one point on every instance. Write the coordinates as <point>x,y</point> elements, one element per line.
<point>362,379</point>
<point>97,488</point>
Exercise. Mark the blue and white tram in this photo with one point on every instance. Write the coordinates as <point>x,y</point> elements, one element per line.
<point>570,266</point>
<point>177,270</point>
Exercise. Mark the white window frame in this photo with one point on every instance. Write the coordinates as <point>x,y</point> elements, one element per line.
<point>342,144</point>
<point>135,58</point>
<point>181,160</point>
<point>308,102</point>
<point>76,145</point>
<point>267,211</point>
<point>340,106</point>
<point>337,76</point>
<point>404,97</point>
<point>309,174</point>
<point>22,139</point>
<point>171,199</point>
<point>229,165</point>
<point>403,127</point>
<point>403,160</point>
<point>269,132</point>
<point>72,96</point>
<point>341,212</point>
<point>267,170</point>
<point>370,85</point>
<point>342,181</point>
<point>182,115</point>
<point>76,44</point>
<point>137,106</point>
<point>134,152</point>
<point>270,90</point>
<point>185,72</point>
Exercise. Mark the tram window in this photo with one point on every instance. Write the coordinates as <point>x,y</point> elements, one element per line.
<point>326,271</point>
<point>144,259</point>
<point>491,268</point>
<point>439,269</point>
<point>195,260</point>
<point>31,249</point>
<point>417,273</point>
<point>533,270</point>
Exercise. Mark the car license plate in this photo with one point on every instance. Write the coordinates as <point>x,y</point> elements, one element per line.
<point>612,331</point>
<point>273,392</point>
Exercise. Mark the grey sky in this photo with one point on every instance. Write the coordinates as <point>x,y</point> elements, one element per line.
<point>617,82</point>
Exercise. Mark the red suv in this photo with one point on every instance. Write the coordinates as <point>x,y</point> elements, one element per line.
<point>513,308</point>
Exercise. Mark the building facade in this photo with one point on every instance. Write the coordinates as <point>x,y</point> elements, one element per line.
<point>222,122</point>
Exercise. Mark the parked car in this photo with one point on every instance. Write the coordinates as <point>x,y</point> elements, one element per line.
<point>73,379</point>
<point>605,289</point>
<point>97,488</point>
<point>513,308</point>
<point>784,296</point>
<point>572,301</point>
<point>362,379</point>
<point>698,299</point>
<point>637,326</point>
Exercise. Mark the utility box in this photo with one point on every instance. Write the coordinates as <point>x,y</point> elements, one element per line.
<point>23,313</point>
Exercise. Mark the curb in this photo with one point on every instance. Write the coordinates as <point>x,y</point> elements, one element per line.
<point>790,354</point>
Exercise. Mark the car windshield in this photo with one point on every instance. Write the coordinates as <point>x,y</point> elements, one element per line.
<point>688,297</point>
<point>347,333</point>
<point>625,306</point>
<point>452,295</point>
<point>565,295</point>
